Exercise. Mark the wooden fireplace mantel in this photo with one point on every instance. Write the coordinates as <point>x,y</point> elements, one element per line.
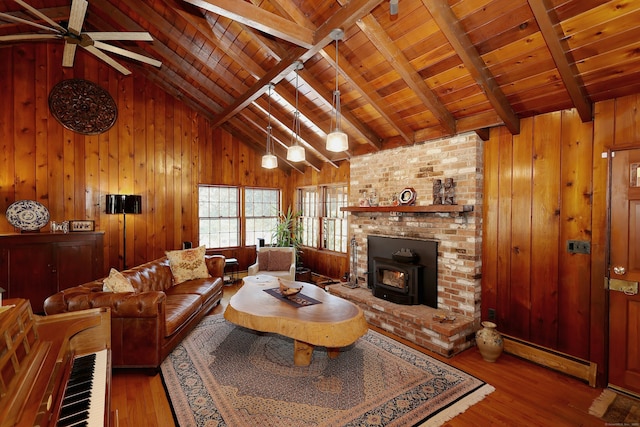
<point>410,209</point>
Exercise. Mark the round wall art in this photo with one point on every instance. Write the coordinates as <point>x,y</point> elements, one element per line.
<point>82,106</point>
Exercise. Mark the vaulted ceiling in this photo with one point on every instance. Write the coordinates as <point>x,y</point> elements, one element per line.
<point>436,68</point>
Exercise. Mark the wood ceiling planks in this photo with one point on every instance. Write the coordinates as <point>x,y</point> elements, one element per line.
<point>437,68</point>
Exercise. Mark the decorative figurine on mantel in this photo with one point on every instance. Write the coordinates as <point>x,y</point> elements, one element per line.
<point>449,192</point>
<point>437,191</point>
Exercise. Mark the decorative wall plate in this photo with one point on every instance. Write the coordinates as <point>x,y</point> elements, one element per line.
<point>27,215</point>
<point>82,106</point>
<point>407,196</point>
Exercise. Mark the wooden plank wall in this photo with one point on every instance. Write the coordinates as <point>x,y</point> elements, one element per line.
<point>543,187</point>
<point>158,148</point>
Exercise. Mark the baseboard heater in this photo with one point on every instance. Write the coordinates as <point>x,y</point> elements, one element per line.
<point>552,359</point>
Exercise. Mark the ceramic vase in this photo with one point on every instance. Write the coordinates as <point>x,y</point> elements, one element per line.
<point>489,342</point>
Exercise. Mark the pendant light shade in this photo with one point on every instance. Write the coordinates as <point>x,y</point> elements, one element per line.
<point>295,152</point>
<point>269,161</point>
<point>337,140</point>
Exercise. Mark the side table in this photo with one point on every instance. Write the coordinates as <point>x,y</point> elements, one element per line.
<point>231,263</point>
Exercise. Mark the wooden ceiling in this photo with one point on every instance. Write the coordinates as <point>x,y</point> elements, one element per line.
<point>436,68</point>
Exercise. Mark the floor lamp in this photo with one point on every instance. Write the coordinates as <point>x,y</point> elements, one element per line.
<point>124,204</point>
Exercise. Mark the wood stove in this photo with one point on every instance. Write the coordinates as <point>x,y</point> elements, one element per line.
<point>411,283</point>
<point>397,282</point>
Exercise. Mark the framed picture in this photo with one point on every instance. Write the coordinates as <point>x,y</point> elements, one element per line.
<point>81,225</point>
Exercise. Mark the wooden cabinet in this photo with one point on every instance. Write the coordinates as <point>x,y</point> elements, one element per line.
<point>36,265</point>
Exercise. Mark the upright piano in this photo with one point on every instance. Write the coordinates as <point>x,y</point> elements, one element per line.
<point>54,370</point>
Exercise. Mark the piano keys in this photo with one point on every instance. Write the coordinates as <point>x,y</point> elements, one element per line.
<point>84,396</point>
<point>40,358</point>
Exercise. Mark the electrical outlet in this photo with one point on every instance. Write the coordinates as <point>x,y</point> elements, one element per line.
<point>492,314</point>
<point>578,247</point>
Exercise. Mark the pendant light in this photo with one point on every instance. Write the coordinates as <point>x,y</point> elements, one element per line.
<point>336,139</point>
<point>295,152</point>
<point>269,161</point>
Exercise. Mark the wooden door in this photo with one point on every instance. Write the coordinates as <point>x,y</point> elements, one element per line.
<point>624,272</point>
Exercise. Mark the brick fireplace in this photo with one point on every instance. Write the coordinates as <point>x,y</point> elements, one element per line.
<point>458,236</point>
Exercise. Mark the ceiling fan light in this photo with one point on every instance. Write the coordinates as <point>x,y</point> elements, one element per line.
<point>337,141</point>
<point>269,161</point>
<point>295,153</point>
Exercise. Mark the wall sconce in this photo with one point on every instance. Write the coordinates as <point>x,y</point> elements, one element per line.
<point>123,204</point>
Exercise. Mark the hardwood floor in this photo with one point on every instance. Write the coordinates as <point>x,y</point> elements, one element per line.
<point>526,394</point>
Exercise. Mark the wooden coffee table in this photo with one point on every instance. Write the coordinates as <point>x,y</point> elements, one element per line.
<point>334,323</point>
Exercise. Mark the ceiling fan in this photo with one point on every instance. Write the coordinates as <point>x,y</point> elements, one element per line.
<point>73,36</point>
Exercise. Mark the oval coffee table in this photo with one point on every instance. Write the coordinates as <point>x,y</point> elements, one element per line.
<point>332,323</point>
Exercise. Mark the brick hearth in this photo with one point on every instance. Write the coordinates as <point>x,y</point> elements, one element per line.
<point>459,236</point>
<point>412,322</point>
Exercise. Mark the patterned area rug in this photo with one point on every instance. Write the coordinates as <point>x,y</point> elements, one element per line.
<point>616,409</point>
<point>223,375</point>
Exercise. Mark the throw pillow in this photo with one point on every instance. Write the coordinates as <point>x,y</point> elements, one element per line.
<point>279,260</point>
<point>263,260</point>
<point>116,282</point>
<point>188,264</point>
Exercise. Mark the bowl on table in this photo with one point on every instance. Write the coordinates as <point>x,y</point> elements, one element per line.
<point>289,287</point>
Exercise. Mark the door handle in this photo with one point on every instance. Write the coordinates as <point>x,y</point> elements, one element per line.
<point>619,270</point>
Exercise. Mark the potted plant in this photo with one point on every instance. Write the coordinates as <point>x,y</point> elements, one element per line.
<point>288,232</point>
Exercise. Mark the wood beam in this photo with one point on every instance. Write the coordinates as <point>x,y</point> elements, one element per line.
<point>369,93</point>
<point>287,7</point>
<point>259,19</point>
<point>552,33</point>
<point>453,31</point>
<point>378,36</point>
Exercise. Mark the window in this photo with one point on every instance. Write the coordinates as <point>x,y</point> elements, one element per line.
<point>334,221</point>
<point>219,212</point>
<point>261,214</point>
<point>308,200</point>
<point>321,206</point>
<point>221,220</point>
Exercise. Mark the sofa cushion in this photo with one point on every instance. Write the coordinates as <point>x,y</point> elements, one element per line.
<point>188,264</point>
<point>263,260</point>
<point>205,288</point>
<point>279,260</point>
<point>116,282</point>
<point>179,309</point>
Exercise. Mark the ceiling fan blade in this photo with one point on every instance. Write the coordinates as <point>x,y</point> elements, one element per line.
<point>76,18</point>
<point>127,54</point>
<point>28,37</point>
<point>69,54</point>
<point>106,58</point>
<point>12,18</point>
<point>126,35</point>
<point>35,12</point>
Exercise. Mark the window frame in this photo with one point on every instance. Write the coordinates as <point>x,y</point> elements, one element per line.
<point>241,212</point>
<point>321,210</point>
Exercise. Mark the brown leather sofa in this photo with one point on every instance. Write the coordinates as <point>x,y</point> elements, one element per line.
<point>146,325</point>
